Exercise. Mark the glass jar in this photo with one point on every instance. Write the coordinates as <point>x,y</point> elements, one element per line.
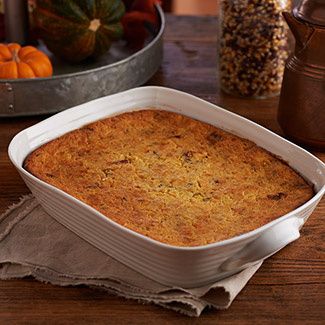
<point>253,46</point>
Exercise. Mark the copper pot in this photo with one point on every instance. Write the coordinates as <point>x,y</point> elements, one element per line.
<point>302,101</point>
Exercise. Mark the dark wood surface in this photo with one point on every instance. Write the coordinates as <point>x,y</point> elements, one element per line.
<point>288,288</point>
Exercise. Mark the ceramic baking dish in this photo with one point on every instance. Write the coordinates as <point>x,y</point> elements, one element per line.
<point>167,264</point>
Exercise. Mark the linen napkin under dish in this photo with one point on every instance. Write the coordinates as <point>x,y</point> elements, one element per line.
<point>34,244</point>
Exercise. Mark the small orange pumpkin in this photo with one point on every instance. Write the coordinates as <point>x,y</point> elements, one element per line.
<point>23,62</point>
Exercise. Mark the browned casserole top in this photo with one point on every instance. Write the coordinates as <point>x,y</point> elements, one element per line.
<point>170,177</point>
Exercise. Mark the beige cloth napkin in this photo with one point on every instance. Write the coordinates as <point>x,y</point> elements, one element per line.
<point>34,244</point>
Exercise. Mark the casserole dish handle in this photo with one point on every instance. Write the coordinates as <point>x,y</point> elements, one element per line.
<point>271,241</point>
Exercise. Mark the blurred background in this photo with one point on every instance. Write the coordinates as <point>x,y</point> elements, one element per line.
<point>186,7</point>
<point>191,7</point>
<point>196,7</point>
<point>181,7</point>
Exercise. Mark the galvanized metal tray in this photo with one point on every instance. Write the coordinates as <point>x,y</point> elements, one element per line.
<point>120,69</point>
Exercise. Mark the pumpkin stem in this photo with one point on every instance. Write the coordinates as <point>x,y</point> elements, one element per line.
<point>15,56</point>
<point>94,25</point>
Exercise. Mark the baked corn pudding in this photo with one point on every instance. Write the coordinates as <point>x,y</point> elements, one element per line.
<point>170,177</point>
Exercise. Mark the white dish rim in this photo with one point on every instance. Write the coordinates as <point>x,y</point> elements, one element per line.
<point>154,242</point>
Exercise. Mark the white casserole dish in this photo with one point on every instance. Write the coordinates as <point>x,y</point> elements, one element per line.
<point>171,265</point>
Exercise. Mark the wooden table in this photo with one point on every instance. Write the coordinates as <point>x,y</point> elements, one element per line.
<point>289,287</point>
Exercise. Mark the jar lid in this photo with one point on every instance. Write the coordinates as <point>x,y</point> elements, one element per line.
<point>311,11</point>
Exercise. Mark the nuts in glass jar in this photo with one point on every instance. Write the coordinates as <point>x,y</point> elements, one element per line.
<point>253,46</point>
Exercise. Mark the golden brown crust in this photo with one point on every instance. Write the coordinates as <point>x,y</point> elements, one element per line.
<point>171,178</point>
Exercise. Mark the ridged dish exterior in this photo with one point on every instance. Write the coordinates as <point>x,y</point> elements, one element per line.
<point>171,265</point>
